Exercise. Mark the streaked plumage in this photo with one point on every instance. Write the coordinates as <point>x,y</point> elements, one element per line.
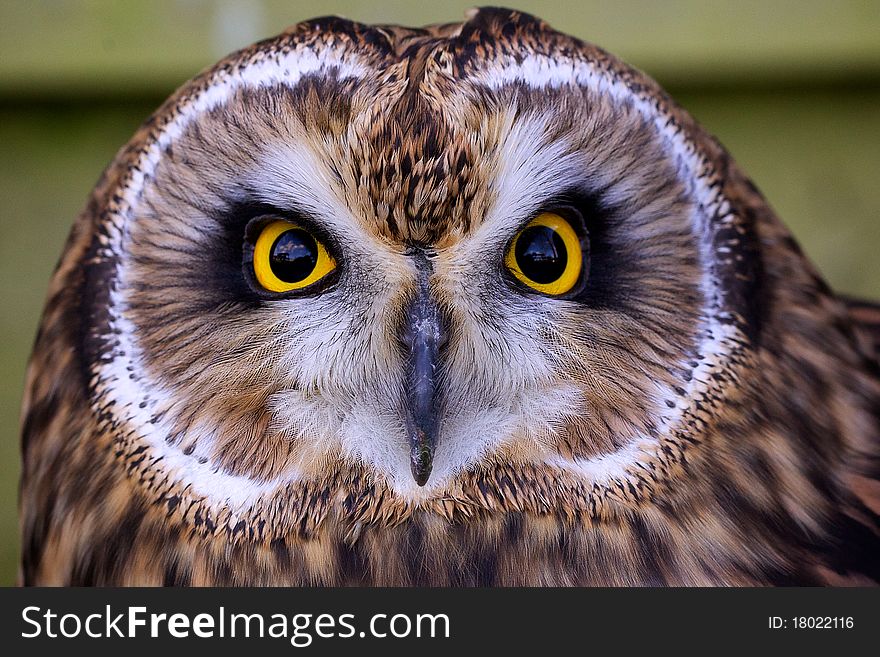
<point>704,411</point>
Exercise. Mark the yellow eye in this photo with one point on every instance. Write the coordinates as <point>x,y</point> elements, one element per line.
<point>546,255</point>
<point>287,257</point>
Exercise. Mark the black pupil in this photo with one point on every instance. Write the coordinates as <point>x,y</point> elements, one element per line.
<point>293,256</point>
<point>541,254</point>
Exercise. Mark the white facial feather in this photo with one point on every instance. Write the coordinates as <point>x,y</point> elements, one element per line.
<point>133,400</point>
<point>541,72</point>
<point>342,374</point>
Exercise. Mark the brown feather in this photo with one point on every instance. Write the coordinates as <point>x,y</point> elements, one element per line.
<point>769,476</point>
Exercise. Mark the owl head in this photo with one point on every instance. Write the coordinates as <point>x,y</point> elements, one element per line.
<point>404,256</point>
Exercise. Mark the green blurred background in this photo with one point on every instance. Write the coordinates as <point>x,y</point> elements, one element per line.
<point>791,88</point>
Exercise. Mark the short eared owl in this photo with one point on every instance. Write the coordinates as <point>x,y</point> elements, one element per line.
<point>473,304</point>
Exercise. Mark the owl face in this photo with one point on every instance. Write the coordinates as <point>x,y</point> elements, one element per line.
<point>410,255</point>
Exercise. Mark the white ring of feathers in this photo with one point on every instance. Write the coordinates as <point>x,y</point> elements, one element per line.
<point>267,68</point>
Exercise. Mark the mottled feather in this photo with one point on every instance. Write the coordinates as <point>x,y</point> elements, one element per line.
<point>705,412</point>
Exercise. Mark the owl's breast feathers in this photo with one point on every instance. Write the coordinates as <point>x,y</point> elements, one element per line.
<point>866,323</point>
<point>771,477</point>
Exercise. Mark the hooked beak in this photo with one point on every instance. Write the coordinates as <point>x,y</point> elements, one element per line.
<point>421,339</point>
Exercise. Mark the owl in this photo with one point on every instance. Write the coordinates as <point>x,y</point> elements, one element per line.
<point>473,304</point>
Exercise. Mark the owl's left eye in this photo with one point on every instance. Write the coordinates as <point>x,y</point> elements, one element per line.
<point>547,255</point>
<point>288,257</point>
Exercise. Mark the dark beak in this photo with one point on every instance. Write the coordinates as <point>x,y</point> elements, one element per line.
<point>421,339</point>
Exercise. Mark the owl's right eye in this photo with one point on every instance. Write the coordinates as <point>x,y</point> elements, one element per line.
<point>288,257</point>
